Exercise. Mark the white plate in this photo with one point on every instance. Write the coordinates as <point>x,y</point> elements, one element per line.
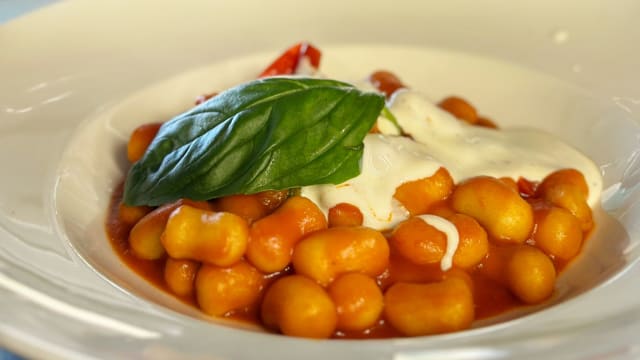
<point>78,69</point>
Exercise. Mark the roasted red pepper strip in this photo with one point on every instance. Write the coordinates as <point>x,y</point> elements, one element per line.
<point>285,64</point>
<point>288,62</point>
<point>527,187</point>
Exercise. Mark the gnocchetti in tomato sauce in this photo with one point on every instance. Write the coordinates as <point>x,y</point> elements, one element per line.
<point>449,220</point>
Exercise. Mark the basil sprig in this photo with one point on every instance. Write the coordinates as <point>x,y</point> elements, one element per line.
<point>268,134</point>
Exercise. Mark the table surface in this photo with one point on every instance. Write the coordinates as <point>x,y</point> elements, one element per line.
<point>10,9</point>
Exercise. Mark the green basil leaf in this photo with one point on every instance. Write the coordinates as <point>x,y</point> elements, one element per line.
<point>268,134</point>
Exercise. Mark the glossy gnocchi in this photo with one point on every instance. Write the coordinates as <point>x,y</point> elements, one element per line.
<point>296,267</point>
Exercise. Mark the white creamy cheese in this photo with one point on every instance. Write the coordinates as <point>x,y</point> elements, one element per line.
<point>388,161</point>
<point>453,237</point>
<point>439,139</point>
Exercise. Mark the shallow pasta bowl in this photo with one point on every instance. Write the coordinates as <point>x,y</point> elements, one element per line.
<point>69,99</point>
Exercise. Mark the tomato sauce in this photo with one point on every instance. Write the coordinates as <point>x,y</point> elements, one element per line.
<point>488,279</point>
<point>118,233</point>
<point>491,295</point>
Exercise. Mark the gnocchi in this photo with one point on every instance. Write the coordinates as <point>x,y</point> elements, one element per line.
<point>303,268</point>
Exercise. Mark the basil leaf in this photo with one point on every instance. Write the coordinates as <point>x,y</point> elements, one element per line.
<point>268,134</point>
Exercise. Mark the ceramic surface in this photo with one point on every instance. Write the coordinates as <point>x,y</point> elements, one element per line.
<point>78,76</point>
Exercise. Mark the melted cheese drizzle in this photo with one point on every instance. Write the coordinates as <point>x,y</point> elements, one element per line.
<point>453,237</point>
<point>441,140</point>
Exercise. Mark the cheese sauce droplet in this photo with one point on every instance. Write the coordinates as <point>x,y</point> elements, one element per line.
<point>453,237</point>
